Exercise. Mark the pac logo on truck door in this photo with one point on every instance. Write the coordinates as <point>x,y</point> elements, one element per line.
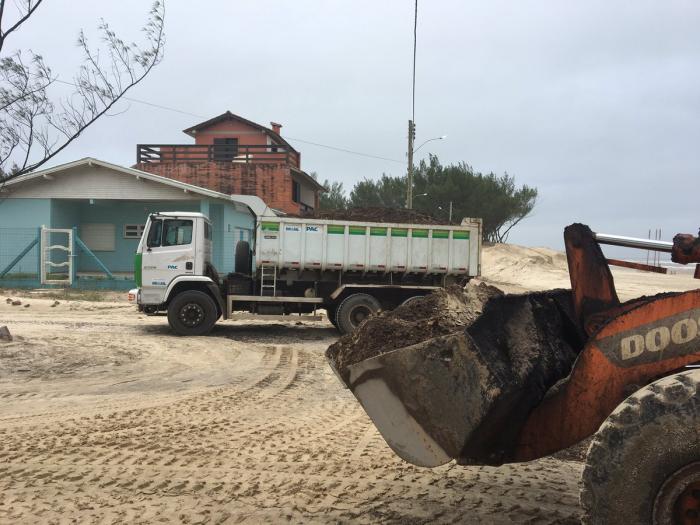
<point>672,336</point>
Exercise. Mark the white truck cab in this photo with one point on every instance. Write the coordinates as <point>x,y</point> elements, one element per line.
<point>175,248</point>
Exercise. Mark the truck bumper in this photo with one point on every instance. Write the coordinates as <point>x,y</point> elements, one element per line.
<point>135,297</point>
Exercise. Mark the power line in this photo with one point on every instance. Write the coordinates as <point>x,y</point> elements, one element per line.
<point>152,104</point>
<point>369,155</point>
<point>167,108</point>
<point>415,40</point>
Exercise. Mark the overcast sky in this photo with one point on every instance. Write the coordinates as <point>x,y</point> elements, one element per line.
<point>595,103</point>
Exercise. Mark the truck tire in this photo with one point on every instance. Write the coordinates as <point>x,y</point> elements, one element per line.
<point>643,465</point>
<point>244,258</point>
<point>354,310</point>
<point>192,313</point>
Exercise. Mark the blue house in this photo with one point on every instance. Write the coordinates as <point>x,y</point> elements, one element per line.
<point>80,222</point>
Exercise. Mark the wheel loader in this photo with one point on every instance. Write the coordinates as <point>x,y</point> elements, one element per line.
<point>537,373</point>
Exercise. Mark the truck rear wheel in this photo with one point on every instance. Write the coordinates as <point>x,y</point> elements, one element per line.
<point>192,313</point>
<point>354,310</point>
<point>643,465</point>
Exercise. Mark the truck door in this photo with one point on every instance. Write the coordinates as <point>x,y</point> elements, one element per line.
<point>169,251</point>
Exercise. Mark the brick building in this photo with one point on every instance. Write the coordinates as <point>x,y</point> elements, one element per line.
<point>233,155</point>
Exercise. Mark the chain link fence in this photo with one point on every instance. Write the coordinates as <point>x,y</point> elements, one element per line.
<point>21,265</point>
<point>19,257</point>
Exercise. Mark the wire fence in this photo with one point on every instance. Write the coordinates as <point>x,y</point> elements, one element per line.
<point>19,254</point>
<point>21,264</point>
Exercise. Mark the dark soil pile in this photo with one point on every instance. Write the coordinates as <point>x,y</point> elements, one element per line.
<point>443,312</point>
<point>396,215</point>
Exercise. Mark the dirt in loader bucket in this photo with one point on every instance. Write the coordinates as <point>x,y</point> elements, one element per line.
<point>443,312</point>
<point>467,364</point>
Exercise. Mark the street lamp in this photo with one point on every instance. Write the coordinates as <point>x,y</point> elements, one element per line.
<point>411,151</point>
<point>430,140</point>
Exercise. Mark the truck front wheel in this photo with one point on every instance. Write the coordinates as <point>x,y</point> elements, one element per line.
<point>643,465</point>
<point>192,313</point>
<point>354,310</point>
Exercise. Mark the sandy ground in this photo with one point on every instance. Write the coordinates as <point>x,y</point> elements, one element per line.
<point>107,417</point>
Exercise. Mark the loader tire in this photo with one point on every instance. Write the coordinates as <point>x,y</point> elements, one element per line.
<point>643,465</point>
<point>353,311</point>
<point>192,313</point>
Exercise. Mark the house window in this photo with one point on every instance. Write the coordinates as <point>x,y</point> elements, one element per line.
<point>99,237</point>
<point>133,231</point>
<point>225,149</point>
<point>296,191</point>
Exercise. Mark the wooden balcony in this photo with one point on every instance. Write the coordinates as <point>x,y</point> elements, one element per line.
<point>226,153</point>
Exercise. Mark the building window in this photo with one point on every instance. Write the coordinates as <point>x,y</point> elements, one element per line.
<point>99,237</point>
<point>225,149</point>
<point>133,231</point>
<point>296,191</point>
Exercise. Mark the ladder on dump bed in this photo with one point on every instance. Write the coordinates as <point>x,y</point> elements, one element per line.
<point>268,280</point>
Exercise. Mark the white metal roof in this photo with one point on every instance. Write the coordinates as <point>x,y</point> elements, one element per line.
<point>252,202</point>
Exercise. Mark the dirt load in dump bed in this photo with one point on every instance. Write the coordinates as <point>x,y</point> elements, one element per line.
<point>392,215</point>
<point>480,361</point>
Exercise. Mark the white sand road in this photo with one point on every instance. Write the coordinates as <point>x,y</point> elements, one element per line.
<point>107,417</point>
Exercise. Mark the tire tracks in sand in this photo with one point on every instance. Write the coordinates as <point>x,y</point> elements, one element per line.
<point>277,440</point>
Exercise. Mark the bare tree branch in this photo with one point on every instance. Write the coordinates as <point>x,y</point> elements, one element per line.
<point>35,126</point>
<point>30,8</point>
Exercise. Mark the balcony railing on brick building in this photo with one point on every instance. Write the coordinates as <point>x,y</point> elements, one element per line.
<point>182,153</point>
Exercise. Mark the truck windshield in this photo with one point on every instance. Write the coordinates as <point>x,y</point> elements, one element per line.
<point>177,232</point>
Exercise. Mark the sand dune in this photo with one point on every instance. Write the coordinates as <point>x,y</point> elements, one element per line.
<point>518,269</point>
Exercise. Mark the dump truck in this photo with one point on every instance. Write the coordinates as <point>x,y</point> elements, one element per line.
<point>351,269</point>
<point>521,376</point>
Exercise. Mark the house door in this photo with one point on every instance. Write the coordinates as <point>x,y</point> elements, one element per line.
<point>56,251</point>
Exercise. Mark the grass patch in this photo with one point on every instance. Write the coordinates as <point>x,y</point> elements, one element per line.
<point>71,294</point>
<point>61,294</point>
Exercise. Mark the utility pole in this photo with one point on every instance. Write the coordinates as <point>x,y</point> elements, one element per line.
<point>409,179</point>
<point>412,122</point>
